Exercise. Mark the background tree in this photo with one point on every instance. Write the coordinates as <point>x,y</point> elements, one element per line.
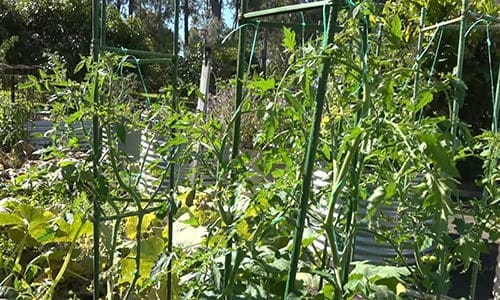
<point>216,6</point>
<point>43,27</point>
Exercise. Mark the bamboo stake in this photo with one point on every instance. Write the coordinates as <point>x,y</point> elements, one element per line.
<point>285,9</point>
<point>444,23</point>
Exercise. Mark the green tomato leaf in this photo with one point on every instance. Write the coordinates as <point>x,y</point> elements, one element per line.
<point>461,226</point>
<point>460,89</point>
<point>375,273</point>
<point>121,133</point>
<point>328,291</point>
<point>7,219</point>
<point>397,27</point>
<point>263,84</point>
<point>388,93</point>
<point>289,40</point>
<point>426,243</point>
<point>432,200</point>
<point>424,99</point>
<point>439,155</point>
<point>74,116</point>
<point>309,237</point>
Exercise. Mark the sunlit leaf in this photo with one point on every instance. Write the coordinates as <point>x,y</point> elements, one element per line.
<point>424,99</point>
<point>263,84</point>
<point>397,27</point>
<point>8,219</point>
<point>151,248</point>
<point>400,289</point>
<point>309,237</point>
<point>439,155</point>
<point>289,40</point>
<point>131,224</point>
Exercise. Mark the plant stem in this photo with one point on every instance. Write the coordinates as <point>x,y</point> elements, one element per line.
<point>459,71</point>
<point>338,182</point>
<point>419,50</point>
<point>21,247</point>
<point>50,292</point>
<point>351,223</point>
<point>475,272</point>
<point>114,237</point>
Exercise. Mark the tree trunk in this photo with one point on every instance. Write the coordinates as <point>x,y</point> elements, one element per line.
<point>119,5</point>
<point>216,6</point>
<point>159,18</point>
<point>237,11</point>
<point>131,7</point>
<point>186,22</point>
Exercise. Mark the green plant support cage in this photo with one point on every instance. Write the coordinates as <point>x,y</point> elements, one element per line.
<point>331,9</point>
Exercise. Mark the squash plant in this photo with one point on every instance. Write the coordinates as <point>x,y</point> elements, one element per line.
<point>41,243</point>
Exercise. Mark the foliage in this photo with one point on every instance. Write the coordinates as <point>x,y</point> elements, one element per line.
<point>13,118</point>
<point>35,257</point>
<point>376,149</point>
<point>6,45</point>
<point>39,26</point>
<point>365,280</point>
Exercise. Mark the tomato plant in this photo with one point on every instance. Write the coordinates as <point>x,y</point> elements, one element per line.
<point>385,167</point>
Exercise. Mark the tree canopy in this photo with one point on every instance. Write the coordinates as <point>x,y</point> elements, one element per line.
<point>64,28</point>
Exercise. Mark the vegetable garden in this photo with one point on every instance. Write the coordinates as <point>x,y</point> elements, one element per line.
<point>341,175</point>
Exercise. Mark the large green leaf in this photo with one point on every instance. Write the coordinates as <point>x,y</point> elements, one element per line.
<point>68,231</point>
<point>383,282</point>
<point>263,84</point>
<point>375,273</point>
<point>151,248</point>
<point>289,39</point>
<point>131,224</point>
<point>425,98</point>
<point>439,155</point>
<point>397,27</point>
<point>8,219</point>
